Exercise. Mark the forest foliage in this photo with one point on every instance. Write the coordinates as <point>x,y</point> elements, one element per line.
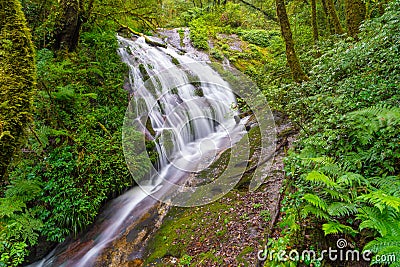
<point>342,174</point>
<point>72,161</point>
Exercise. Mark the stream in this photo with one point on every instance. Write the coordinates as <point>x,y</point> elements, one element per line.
<point>189,106</point>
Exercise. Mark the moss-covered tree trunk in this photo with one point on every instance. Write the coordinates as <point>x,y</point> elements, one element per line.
<point>293,61</point>
<point>328,21</point>
<point>355,14</point>
<point>314,20</point>
<point>17,81</point>
<point>68,26</point>
<point>334,17</point>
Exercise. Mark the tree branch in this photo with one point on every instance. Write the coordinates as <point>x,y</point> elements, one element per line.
<point>266,14</point>
<point>146,39</point>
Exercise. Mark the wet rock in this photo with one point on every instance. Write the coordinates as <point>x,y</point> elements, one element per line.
<point>135,263</point>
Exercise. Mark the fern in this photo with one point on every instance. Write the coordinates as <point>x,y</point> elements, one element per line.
<point>316,201</point>
<point>372,218</point>
<point>388,245</point>
<point>381,199</point>
<point>310,209</point>
<point>336,195</point>
<point>335,228</point>
<point>340,209</point>
<point>390,184</point>
<point>352,179</point>
<point>8,206</point>
<point>366,122</point>
<point>25,190</point>
<point>320,178</point>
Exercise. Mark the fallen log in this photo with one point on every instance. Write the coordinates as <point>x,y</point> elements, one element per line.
<point>146,39</point>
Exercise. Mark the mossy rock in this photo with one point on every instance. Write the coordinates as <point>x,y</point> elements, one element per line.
<point>144,72</point>
<point>176,232</point>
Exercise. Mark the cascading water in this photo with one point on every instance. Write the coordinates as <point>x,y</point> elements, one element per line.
<point>191,120</point>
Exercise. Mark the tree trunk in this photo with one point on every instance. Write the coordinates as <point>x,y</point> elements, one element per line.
<point>334,17</point>
<point>314,20</point>
<point>328,17</point>
<point>293,61</point>
<point>355,14</point>
<point>68,26</point>
<point>17,82</point>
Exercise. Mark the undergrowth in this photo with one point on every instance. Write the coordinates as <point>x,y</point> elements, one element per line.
<point>343,173</point>
<point>73,161</point>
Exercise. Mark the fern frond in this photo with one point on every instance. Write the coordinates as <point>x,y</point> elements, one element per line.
<point>335,228</point>
<point>25,190</point>
<point>384,245</point>
<point>336,194</point>
<point>394,229</point>
<point>341,209</point>
<point>331,169</point>
<point>322,160</point>
<point>316,201</point>
<point>380,199</point>
<point>389,184</point>
<point>350,179</point>
<point>10,205</point>
<point>390,115</point>
<point>320,178</point>
<point>24,226</point>
<point>310,209</point>
<point>366,122</point>
<point>372,218</point>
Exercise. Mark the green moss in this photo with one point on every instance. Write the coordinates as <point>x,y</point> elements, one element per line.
<point>143,71</point>
<point>175,61</point>
<point>181,36</point>
<point>217,54</point>
<point>240,258</point>
<point>255,142</point>
<point>177,232</point>
<point>17,81</point>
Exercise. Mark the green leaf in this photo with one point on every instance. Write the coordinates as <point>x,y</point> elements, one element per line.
<point>335,228</point>
<point>316,201</point>
<point>342,209</point>
<point>320,178</point>
<point>381,199</point>
<point>8,206</point>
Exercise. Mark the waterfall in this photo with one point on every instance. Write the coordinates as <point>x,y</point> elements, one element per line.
<point>189,107</point>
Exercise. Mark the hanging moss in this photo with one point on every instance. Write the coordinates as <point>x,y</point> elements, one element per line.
<point>17,81</point>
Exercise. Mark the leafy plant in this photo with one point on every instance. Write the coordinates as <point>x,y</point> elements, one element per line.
<point>185,260</point>
<point>199,34</point>
<point>259,37</point>
<point>265,215</point>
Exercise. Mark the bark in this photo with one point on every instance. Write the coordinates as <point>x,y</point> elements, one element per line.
<point>69,25</point>
<point>265,13</point>
<point>327,16</point>
<point>314,20</point>
<point>333,15</point>
<point>293,61</point>
<point>355,14</point>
